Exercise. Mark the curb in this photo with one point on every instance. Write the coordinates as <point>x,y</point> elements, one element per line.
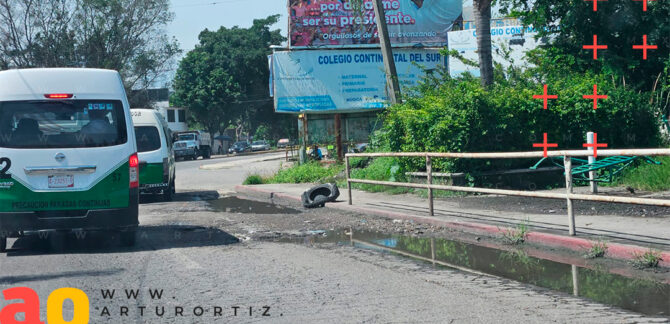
<point>218,166</point>
<point>614,250</point>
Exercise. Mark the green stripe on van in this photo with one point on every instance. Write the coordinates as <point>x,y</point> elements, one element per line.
<point>151,173</point>
<point>111,192</point>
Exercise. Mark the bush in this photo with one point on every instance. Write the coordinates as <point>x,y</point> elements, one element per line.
<point>458,115</point>
<point>381,169</point>
<point>307,173</point>
<point>253,179</point>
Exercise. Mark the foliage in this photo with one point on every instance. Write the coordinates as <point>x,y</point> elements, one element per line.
<point>262,132</point>
<point>516,235</point>
<point>597,250</point>
<point>124,35</point>
<point>618,24</point>
<point>647,176</point>
<point>312,172</point>
<point>253,179</point>
<point>224,80</point>
<point>458,115</point>
<point>381,169</point>
<point>649,259</point>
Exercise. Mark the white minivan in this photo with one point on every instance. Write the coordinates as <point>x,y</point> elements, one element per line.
<point>68,156</point>
<point>154,149</point>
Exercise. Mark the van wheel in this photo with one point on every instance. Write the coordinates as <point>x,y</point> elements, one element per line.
<point>168,194</point>
<point>196,153</point>
<point>128,237</point>
<point>3,244</point>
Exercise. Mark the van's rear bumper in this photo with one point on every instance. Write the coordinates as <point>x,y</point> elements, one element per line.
<point>95,219</point>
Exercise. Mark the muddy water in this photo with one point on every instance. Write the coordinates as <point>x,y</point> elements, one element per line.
<point>641,295</point>
<point>245,206</point>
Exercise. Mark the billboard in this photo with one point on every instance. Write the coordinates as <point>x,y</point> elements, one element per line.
<point>333,23</point>
<point>337,80</point>
<point>517,39</point>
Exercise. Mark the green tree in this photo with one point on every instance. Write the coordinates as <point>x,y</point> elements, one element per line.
<point>124,35</point>
<point>618,24</point>
<point>224,80</point>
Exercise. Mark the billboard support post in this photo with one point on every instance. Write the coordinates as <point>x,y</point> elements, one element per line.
<point>389,64</point>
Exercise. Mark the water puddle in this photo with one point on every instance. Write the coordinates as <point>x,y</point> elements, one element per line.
<point>245,206</point>
<point>621,287</point>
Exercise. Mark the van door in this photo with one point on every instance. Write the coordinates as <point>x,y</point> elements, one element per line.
<point>65,155</point>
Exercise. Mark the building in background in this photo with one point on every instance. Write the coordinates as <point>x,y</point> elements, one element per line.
<point>159,99</point>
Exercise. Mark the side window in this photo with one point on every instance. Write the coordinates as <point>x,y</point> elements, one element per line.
<point>170,116</point>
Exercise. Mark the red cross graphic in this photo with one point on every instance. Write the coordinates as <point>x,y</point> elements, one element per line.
<point>545,145</point>
<point>545,96</point>
<point>595,47</point>
<point>595,145</point>
<point>644,4</point>
<point>644,47</point>
<point>595,97</point>
<point>595,4</point>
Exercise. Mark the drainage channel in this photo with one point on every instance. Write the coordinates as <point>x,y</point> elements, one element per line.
<point>624,289</point>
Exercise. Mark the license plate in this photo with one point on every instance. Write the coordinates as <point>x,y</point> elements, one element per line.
<point>61,181</point>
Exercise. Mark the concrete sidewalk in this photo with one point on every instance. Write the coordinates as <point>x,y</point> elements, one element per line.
<point>639,227</point>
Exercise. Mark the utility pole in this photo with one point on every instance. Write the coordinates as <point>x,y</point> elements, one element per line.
<point>389,63</point>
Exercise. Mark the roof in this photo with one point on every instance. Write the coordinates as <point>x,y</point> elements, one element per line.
<point>27,84</point>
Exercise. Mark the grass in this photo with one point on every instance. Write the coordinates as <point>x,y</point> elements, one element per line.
<point>648,177</point>
<point>516,236</point>
<point>312,172</point>
<point>597,250</point>
<point>649,259</point>
<point>253,179</point>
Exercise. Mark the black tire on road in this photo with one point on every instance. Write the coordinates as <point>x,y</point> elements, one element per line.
<point>196,153</point>
<point>207,153</point>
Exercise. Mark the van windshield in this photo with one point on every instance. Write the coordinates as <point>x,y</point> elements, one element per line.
<point>187,137</point>
<point>62,124</point>
<point>148,138</point>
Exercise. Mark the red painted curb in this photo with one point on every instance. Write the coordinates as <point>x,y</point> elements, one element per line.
<point>614,250</point>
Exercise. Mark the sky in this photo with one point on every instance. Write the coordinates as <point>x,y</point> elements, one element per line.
<point>193,16</point>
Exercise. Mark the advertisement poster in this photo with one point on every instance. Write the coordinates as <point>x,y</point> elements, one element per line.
<point>324,81</point>
<point>324,24</point>
<point>517,39</point>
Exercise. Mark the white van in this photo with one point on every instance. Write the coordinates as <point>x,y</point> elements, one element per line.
<point>154,149</point>
<point>68,151</point>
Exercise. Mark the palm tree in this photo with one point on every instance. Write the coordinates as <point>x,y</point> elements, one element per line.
<point>482,11</point>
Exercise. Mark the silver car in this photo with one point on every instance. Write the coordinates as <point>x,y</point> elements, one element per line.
<point>260,146</point>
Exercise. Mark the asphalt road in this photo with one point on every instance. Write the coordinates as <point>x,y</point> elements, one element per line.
<point>217,261</point>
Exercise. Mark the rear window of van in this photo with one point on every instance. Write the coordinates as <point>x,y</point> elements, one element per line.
<point>62,124</point>
<point>148,138</point>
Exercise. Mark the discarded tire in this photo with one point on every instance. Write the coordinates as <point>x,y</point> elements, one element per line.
<point>318,196</point>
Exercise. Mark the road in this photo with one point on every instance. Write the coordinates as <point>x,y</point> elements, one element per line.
<point>221,262</point>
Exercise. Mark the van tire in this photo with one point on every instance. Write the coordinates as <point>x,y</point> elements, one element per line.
<point>196,153</point>
<point>3,244</point>
<point>168,193</point>
<point>128,237</point>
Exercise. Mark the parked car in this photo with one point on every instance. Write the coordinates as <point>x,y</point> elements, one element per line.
<point>284,142</point>
<point>240,147</point>
<point>260,146</point>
